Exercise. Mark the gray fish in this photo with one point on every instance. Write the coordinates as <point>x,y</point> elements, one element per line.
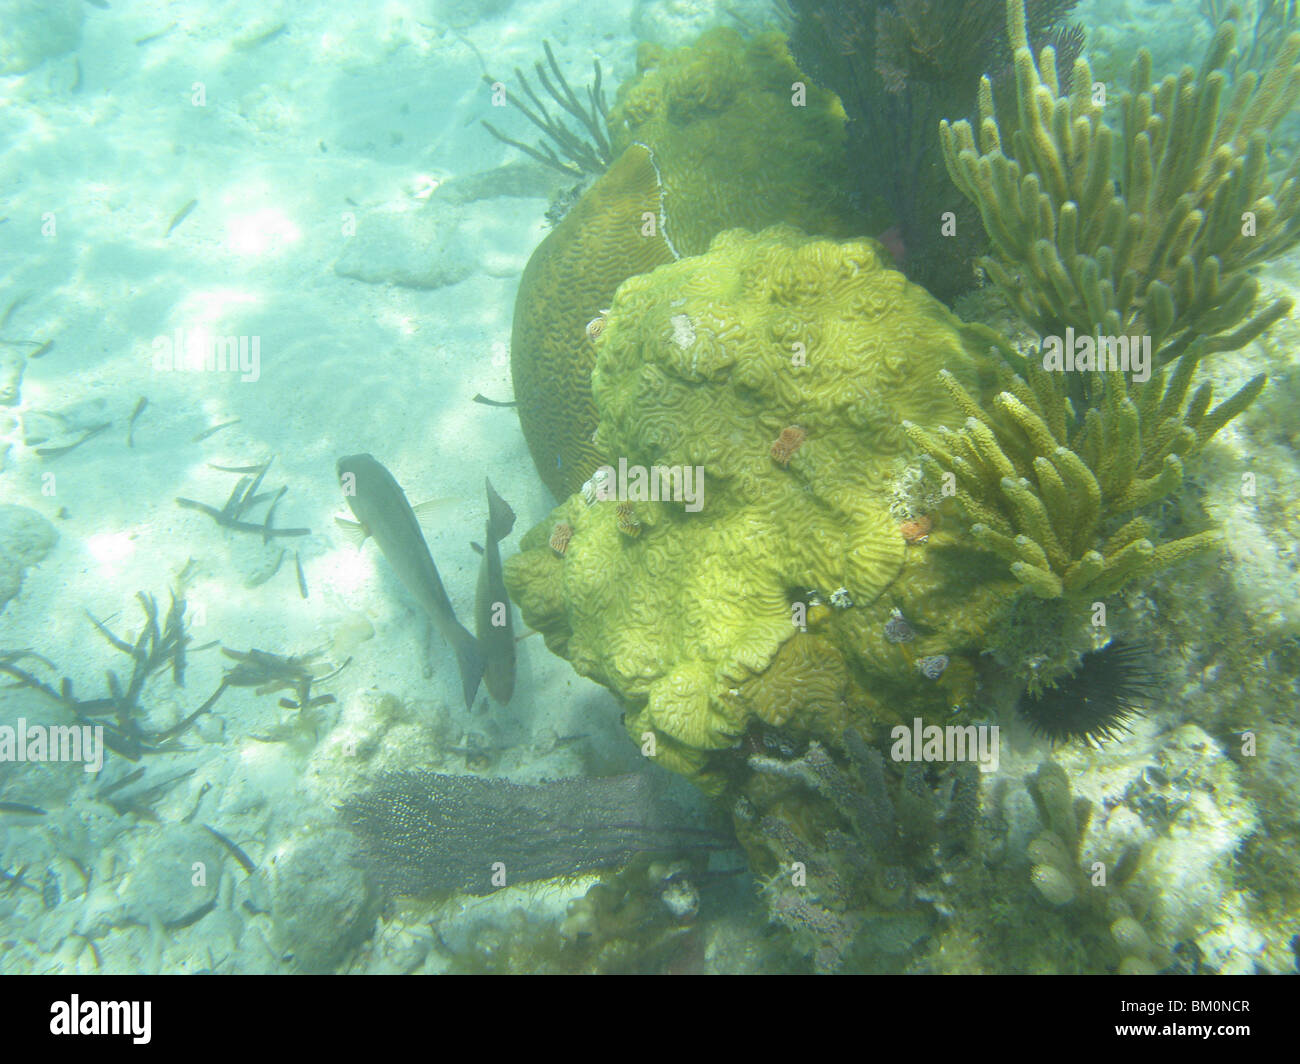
<point>496,637</point>
<point>382,510</point>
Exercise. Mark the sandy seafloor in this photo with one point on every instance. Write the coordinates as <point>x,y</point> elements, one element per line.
<point>362,109</point>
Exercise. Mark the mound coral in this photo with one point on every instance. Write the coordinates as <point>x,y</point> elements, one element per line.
<point>691,138</point>
<point>738,143</point>
<point>696,622</point>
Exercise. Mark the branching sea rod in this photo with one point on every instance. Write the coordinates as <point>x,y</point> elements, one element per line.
<point>422,832</point>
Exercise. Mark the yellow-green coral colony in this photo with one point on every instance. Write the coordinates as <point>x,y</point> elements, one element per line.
<point>705,361</point>
<point>702,364</point>
<point>668,192</point>
<point>735,149</point>
<point>805,378</point>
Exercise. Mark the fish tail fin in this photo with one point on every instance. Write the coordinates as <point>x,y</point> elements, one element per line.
<point>501,519</point>
<point>469,656</point>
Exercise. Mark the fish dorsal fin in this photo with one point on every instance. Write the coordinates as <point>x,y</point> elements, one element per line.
<point>501,519</point>
<point>353,531</point>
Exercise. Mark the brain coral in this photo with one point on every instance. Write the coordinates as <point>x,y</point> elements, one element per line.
<point>714,114</point>
<point>695,129</point>
<point>701,365</point>
<point>568,281</point>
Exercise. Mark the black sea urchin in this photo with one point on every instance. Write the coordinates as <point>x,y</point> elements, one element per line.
<point>1096,701</point>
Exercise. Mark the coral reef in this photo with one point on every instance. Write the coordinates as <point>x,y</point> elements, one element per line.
<point>736,143</point>
<point>694,623</point>
<point>766,579</point>
<point>899,66</point>
<point>614,231</point>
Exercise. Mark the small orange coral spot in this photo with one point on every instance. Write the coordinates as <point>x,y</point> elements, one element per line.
<point>628,523</point>
<point>790,440</point>
<point>917,530</point>
<point>560,536</point>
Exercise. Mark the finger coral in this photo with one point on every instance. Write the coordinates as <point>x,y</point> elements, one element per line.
<point>1047,492</point>
<point>1164,255</point>
<point>1059,878</point>
<point>1053,469</point>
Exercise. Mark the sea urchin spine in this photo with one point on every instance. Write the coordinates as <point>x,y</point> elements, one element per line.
<point>1097,701</point>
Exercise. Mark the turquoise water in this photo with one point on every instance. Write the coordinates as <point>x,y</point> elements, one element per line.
<point>240,241</point>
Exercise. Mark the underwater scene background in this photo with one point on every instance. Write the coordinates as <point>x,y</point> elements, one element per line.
<point>653,486</point>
